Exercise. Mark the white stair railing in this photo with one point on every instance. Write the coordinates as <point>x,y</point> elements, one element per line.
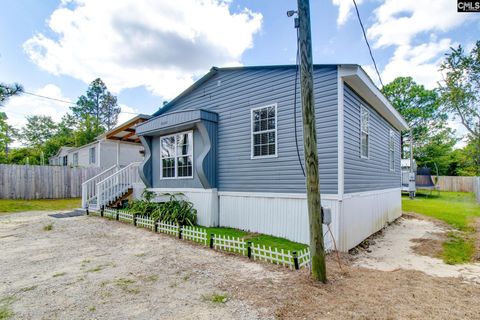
<point>89,187</point>
<point>117,184</point>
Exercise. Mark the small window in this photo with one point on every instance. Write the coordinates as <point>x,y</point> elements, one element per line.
<point>264,132</point>
<point>75,159</point>
<point>176,155</point>
<point>391,150</point>
<point>92,155</point>
<point>364,132</point>
<point>65,160</point>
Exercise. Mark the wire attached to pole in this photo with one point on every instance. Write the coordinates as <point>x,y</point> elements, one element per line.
<point>295,107</point>
<point>368,44</point>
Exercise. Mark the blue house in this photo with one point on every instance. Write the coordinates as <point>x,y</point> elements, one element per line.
<point>229,144</point>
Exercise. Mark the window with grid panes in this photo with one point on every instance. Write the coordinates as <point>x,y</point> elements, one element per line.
<point>176,155</point>
<point>264,131</point>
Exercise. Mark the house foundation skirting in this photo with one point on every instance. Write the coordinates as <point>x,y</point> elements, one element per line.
<point>354,218</point>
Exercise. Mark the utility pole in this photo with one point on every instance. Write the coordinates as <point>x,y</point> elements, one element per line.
<point>317,250</point>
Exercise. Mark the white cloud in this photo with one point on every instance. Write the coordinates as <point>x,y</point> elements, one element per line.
<point>402,23</point>
<point>420,62</point>
<point>161,45</point>
<point>399,22</point>
<point>344,10</point>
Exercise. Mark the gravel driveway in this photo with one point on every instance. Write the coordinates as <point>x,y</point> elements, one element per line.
<point>92,268</point>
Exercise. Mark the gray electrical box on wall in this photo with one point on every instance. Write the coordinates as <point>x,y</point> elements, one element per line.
<point>326,216</point>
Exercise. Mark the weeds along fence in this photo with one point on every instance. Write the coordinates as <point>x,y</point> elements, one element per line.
<point>291,259</point>
<point>43,182</point>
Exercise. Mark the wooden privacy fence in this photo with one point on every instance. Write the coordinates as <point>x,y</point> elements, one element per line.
<point>43,182</point>
<point>457,184</point>
<point>476,188</point>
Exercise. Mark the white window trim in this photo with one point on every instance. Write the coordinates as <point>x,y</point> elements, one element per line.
<point>90,153</point>
<point>75,163</point>
<point>264,131</point>
<point>391,148</point>
<point>175,157</point>
<point>362,109</point>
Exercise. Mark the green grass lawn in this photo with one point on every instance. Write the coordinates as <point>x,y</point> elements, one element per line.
<point>458,209</point>
<point>8,206</point>
<point>257,238</point>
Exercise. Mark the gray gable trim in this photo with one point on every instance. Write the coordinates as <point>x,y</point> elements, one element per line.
<point>359,81</point>
<point>174,121</point>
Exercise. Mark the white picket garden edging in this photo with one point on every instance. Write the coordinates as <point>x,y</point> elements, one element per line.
<point>258,252</point>
<point>194,234</point>
<point>125,216</point>
<point>167,227</point>
<point>230,244</point>
<point>272,255</point>
<point>145,222</point>
<point>109,213</point>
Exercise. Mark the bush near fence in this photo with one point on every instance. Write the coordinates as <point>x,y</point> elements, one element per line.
<point>291,259</point>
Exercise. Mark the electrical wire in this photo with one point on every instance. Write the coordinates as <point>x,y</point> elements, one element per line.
<point>295,106</point>
<point>64,101</point>
<point>368,44</point>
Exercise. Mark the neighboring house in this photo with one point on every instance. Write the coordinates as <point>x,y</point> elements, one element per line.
<point>229,144</point>
<point>119,146</point>
<point>60,158</point>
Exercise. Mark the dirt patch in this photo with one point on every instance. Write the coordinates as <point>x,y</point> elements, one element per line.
<point>88,267</point>
<point>431,246</point>
<point>394,249</point>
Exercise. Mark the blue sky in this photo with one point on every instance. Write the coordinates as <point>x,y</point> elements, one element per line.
<point>149,51</point>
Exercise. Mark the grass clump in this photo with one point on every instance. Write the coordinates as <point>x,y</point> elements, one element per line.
<point>5,307</point>
<point>458,249</point>
<point>126,285</point>
<point>9,206</point>
<point>48,227</point>
<point>216,298</point>
<point>59,274</point>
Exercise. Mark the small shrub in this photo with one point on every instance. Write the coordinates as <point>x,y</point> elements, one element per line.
<point>48,227</point>
<point>216,298</point>
<point>176,210</point>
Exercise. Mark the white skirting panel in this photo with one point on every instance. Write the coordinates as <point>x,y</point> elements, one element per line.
<point>365,213</point>
<point>204,200</point>
<point>282,215</point>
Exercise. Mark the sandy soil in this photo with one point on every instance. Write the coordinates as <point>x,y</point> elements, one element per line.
<point>399,244</point>
<point>88,267</point>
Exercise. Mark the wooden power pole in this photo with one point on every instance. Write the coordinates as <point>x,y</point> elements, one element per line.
<point>317,249</point>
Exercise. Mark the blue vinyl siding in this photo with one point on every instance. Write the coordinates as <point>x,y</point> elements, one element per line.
<point>372,173</point>
<point>232,94</point>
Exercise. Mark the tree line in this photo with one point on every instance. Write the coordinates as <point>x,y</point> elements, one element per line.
<point>94,112</point>
<point>427,111</point>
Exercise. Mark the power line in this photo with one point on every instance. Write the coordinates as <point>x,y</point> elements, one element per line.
<point>49,98</point>
<point>368,44</point>
<point>65,101</point>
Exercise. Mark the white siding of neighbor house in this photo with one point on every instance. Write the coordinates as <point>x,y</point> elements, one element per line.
<point>83,155</point>
<point>129,153</point>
